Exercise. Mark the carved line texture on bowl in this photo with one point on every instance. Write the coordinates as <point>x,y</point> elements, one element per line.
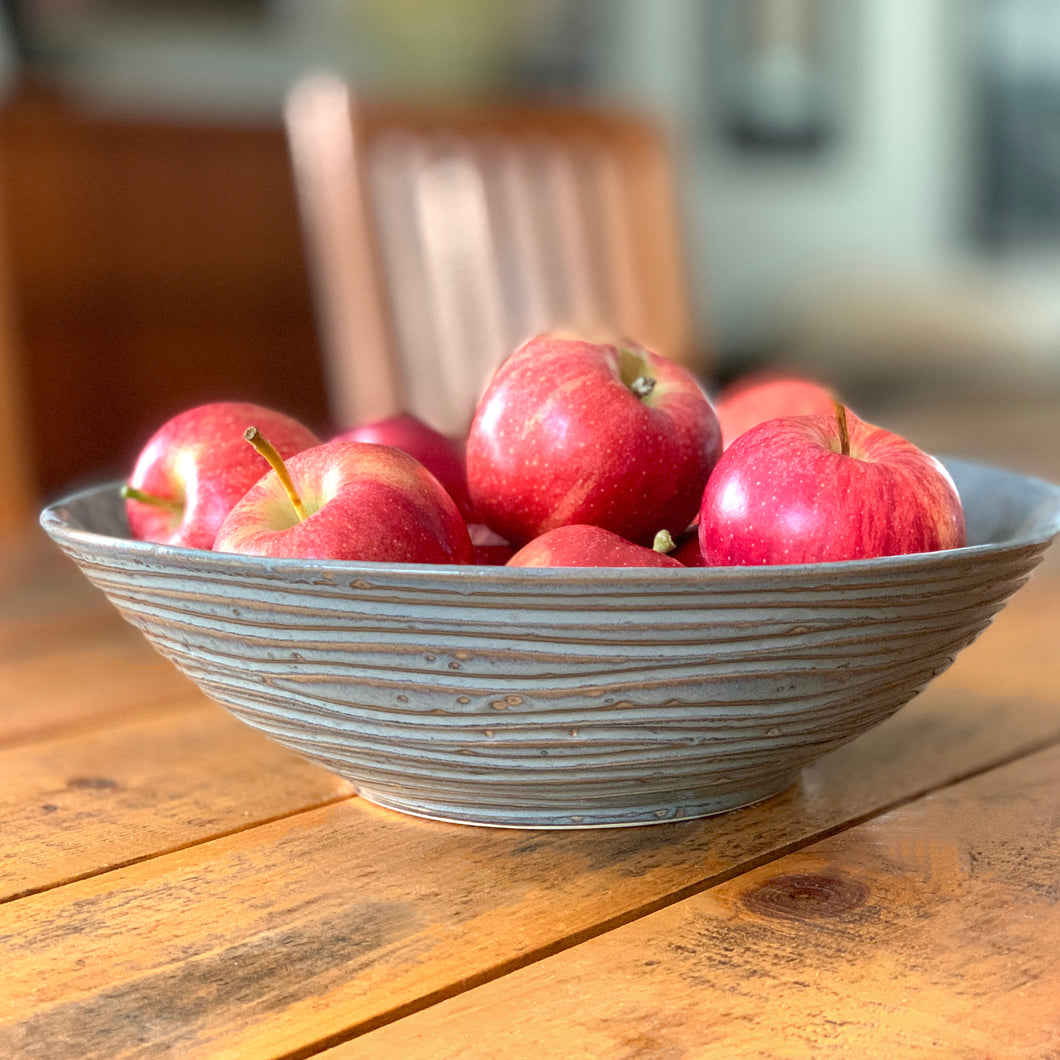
<point>565,699</point>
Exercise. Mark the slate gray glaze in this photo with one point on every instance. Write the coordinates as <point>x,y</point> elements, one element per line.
<point>565,698</point>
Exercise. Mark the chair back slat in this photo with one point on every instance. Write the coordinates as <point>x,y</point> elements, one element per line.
<point>439,238</point>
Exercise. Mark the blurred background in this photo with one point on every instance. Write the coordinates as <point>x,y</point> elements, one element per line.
<point>869,189</point>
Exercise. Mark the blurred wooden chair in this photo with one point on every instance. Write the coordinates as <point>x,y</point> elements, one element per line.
<point>18,496</point>
<point>439,237</point>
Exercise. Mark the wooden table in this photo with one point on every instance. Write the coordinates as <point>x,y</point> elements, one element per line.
<point>172,884</point>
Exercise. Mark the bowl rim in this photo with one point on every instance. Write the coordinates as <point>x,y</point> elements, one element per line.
<point>59,527</point>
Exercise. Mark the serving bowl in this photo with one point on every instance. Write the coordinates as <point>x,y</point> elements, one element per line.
<point>552,698</point>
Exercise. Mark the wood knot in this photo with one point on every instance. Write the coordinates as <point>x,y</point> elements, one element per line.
<point>801,896</point>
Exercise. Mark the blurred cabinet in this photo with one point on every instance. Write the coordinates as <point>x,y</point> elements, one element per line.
<point>154,264</point>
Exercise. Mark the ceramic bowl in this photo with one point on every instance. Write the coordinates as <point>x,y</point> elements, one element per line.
<point>565,697</point>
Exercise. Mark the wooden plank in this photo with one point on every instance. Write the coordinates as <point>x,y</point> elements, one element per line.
<point>39,631</point>
<point>81,805</point>
<point>107,677</point>
<point>36,578</point>
<point>68,660</point>
<point>1017,655</point>
<point>323,924</point>
<point>45,601</point>
<point>930,931</point>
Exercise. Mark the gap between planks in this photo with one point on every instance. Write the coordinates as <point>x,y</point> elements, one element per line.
<point>603,927</point>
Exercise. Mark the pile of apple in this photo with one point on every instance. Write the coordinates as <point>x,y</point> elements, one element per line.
<point>579,454</point>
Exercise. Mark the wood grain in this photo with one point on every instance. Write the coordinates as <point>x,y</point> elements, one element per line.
<point>33,572</point>
<point>1017,654</point>
<point>109,674</point>
<point>45,602</point>
<point>87,803</point>
<point>323,924</point>
<point>931,931</point>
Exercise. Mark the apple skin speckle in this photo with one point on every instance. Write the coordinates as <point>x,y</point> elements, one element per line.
<point>784,493</point>
<point>201,460</point>
<point>580,545</point>
<point>559,437</point>
<point>367,503</point>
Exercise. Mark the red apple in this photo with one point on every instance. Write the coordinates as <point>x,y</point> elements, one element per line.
<point>582,545</point>
<point>196,466</point>
<point>808,489</point>
<point>441,455</point>
<point>762,396</point>
<point>578,432</point>
<point>687,550</point>
<point>349,501</point>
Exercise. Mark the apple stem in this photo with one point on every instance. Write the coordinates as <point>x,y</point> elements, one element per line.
<point>134,493</point>
<point>663,542</point>
<point>642,386</point>
<point>269,452</point>
<point>844,432</point>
